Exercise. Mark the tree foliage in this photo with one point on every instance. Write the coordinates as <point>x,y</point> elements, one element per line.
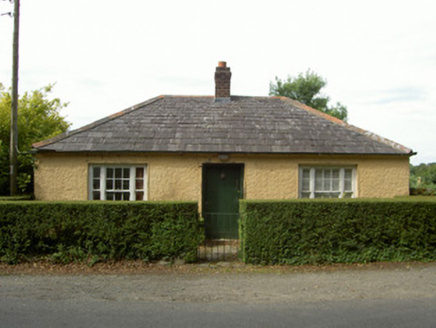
<point>38,119</point>
<point>306,88</point>
<point>423,179</point>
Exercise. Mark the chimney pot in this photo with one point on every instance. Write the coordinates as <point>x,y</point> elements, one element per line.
<point>222,82</point>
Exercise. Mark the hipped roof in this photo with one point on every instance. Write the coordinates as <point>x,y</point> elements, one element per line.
<point>261,125</point>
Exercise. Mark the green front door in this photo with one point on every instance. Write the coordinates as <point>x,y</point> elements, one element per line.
<point>222,189</point>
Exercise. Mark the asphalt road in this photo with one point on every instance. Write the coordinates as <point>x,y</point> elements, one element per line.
<point>21,313</point>
<point>403,296</point>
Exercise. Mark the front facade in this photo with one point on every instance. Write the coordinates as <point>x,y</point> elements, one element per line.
<point>217,150</point>
<point>168,176</point>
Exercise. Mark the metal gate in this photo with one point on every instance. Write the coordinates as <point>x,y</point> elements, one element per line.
<point>219,250</point>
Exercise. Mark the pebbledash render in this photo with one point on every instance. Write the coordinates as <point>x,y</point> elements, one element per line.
<point>204,148</point>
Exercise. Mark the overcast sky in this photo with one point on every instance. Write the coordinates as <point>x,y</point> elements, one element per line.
<point>379,57</point>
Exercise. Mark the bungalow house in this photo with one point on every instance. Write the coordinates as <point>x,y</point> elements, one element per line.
<point>216,150</point>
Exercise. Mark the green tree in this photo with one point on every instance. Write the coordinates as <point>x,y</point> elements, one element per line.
<point>423,178</point>
<point>38,119</point>
<point>306,88</point>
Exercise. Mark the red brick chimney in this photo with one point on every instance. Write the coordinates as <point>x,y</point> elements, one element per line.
<point>222,82</point>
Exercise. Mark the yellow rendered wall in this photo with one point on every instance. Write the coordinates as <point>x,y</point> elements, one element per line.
<point>61,178</point>
<point>179,177</point>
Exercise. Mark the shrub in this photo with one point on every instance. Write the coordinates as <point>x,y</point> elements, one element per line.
<point>95,231</point>
<point>309,232</point>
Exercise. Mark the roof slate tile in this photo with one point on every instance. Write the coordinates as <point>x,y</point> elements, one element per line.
<point>244,125</point>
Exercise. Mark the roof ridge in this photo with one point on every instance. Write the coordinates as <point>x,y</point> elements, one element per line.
<point>187,96</point>
<point>95,124</point>
<point>335,120</point>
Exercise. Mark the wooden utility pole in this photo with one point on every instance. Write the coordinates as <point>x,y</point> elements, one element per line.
<point>14,103</point>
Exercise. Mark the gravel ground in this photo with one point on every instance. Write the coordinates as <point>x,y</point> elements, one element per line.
<point>220,282</point>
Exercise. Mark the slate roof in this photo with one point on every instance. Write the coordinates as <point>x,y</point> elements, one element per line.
<point>243,125</point>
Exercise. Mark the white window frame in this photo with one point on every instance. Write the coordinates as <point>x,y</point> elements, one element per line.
<point>341,190</point>
<point>102,179</point>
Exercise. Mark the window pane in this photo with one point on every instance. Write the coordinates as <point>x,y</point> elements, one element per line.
<point>335,179</point>
<point>126,195</point>
<point>139,184</point>
<point>139,172</point>
<point>348,174</point>
<point>96,195</point>
<point>306,179</point>
<point>347,185</point>
<point>125,184</point>
<point>328,180</point>
<point>110,196</point>
<point>110,184</point>
<point>139,195</point>
<point>126,173</point>
<point>96,184</point>
<point>110,173</point>
<point>118,173</point>
<point>117,184</point>
<point>319,179</point>
<point>96,172</point>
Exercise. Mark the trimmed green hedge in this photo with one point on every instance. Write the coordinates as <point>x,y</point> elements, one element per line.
<point>95,231</point>
<point>354,231</point>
